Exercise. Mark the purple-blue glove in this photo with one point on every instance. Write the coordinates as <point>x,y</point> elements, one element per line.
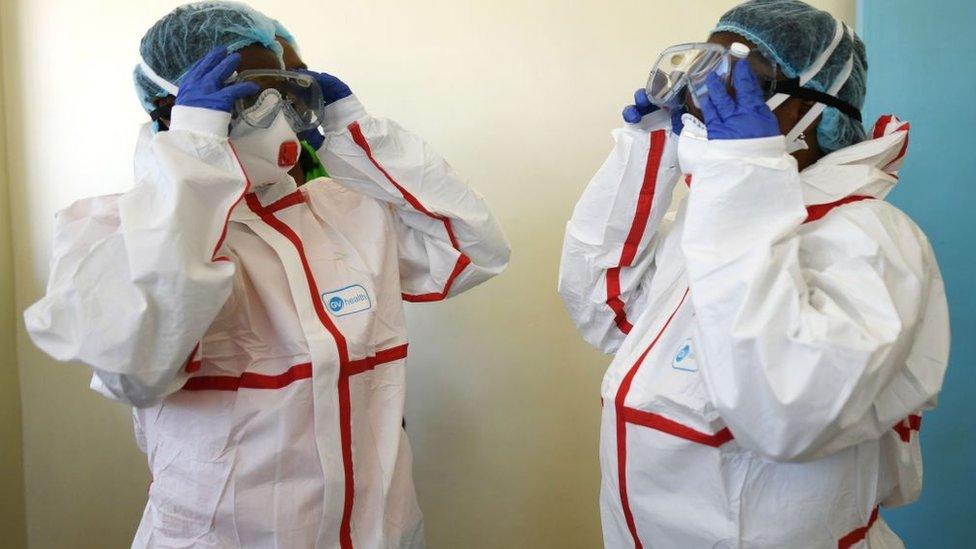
<point>333,89</point>
<point>642,107</point>
<point>204,84</point>
<point>744,117</point>
<point>313,137</point>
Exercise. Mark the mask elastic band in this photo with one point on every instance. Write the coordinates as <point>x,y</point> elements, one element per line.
<point>793,140</point>
<point>166,85</point>
<point>818,64</point>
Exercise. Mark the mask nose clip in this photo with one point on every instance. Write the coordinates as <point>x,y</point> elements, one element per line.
<point>288,154</point>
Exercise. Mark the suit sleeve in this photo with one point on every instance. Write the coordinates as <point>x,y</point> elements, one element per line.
<point>137,279</point>
<point>449,241</point>
<point>816,337</point>
<point>608,251</point>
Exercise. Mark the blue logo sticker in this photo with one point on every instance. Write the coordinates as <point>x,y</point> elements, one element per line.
<point>346,301</point>
<point>685,351</point>
<point>684,358</point>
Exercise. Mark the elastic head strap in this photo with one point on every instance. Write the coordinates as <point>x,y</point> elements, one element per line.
<point>821,60</point>
<point>793,139</point>
<point>818,64</point>
<point>149,73</point>
<point>791,88</point>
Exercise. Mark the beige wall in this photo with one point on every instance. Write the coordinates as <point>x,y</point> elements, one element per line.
<point>504,397</point>
<point>11,465</point>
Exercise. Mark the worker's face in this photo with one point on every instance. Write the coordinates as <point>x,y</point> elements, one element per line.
<point>253,57</point>
<point>783,113</point>
<point>787,114</point>
<point>260,57</point>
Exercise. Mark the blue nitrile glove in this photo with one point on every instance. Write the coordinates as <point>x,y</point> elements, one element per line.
<point>313,137</point>
<point>744,117</point>
<point>204,84</point>
<point>333,89</point>
<point>676,124</point>
<point>642,107</point>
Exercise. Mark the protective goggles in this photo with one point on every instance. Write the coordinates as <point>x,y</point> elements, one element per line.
<point>681,70</point>
<point>298,95</point>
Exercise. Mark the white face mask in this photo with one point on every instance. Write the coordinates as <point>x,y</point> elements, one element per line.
<point>268,154</point>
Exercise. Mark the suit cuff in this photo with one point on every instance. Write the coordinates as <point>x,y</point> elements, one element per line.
<point>340,114</point>
<point>760,147</point>
<point>199,120</point>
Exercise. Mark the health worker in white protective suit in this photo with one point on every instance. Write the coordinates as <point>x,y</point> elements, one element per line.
<point>249,306</point>
<point>776,334</point>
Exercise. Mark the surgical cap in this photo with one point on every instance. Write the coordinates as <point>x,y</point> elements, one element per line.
<point>793,34</point>
<point>187,33</point>
<point>283,33</point>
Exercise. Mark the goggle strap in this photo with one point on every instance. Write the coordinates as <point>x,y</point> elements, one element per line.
<point>791,88</point>
<point>821,60</point>
<point>166,85</point>
<point>775,101</point>
<point>793,139</point>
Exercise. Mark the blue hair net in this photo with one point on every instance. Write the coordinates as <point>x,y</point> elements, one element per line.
<point>187,33</point>
<point>793,34</point>
<point>283,33</point>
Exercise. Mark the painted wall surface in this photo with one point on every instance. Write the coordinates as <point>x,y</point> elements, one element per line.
<point>921,69</point>
<point>503,403</point>
<point>12,517</point>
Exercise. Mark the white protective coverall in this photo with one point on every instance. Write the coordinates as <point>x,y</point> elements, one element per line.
<point>261,337</point>
<point>776,339</point>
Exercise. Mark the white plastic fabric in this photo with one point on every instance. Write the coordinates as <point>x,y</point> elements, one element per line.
<point>265,353</point>
<point>259,150</point>
<point>776,336</point>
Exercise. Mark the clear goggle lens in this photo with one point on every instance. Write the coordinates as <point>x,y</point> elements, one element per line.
<point>297,94</point>
<point>684,67</point>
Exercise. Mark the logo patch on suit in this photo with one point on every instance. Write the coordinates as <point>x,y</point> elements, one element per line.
<point>684,358</point>
<point>346,301</point>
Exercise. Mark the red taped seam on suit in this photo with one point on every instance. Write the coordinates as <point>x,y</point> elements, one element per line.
<point>879,131</point>
<point>251,380</point>
<point>645,201</point>
<point>622,426</point>
<point>297,197</point>
<point>463,260</point>
<point>818,211</point>
<point>905,427</point>
<point>859,534</point>
<point>671,427</point>
<point>345,421</point>
<point>357,367</point>
<point>193,363</point>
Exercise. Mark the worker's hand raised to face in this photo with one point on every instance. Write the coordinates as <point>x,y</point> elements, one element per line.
<point>745,116</point>
<point>333,89</point>
<point>204,85</point>
<point>642,107</point>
